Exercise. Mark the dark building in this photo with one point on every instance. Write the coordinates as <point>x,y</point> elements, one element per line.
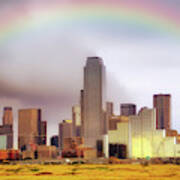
<point>128,109</point>
<point>54,141</point>
<point>43,134</point>
<point>82,110</point>
<point>162,103</point>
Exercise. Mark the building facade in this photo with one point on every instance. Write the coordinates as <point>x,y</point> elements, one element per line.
<point>82,110</point>
<point>43,135</point>
<point>76,120</point>
<point>54,141</point>
<point>29,128</point>
<point>94,101</point>
<point>6,130</point>
<point>141,138</point>
<point>162,103</point>
<point>8,116</point>
<point>65,131</point>
<point>128,109</point>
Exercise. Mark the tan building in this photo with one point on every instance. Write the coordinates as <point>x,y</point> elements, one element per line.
<point>29,126</point>
<point>162,103</point>
<point>46,152</point>
<point>76,120</point>
<point>65,131</point>
<point>114,120</point>
<point>8,116</point>
<point>94,101</point>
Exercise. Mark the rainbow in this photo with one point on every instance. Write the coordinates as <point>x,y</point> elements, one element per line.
<point>137,14</point>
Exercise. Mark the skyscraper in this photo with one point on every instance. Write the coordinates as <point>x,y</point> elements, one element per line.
<point>8,116</point>
<point>128,109</point>
<point>94,101</point>
<point>82,110</point>
<point>162,103</point>
<point>43,134</point>
<point>76,120</point>
<point>29,128</point>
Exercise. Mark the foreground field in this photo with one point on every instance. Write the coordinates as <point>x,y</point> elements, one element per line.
<point>89,172</point>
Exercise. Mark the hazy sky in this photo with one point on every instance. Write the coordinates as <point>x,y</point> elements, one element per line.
<point>41,63</point>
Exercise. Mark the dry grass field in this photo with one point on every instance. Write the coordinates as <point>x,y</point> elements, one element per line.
<point>89,172</point>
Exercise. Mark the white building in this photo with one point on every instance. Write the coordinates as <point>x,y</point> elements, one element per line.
<point>142,139</point>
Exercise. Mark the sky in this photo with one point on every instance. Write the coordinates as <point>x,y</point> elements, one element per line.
<point>44,46</point>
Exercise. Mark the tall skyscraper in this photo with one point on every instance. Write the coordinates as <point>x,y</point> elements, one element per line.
<point>82,110</point>
<point>128,109</point>
<point>65,131</point>
<point>94,101</point>
<point>162,103</point>
<point>76,120</point>
<point>29,128</point>
<point>8,116</point>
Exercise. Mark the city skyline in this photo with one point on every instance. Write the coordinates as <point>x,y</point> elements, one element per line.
<point>40,61</point>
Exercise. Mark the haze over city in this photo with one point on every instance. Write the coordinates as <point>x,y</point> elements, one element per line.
<point>42,60</point>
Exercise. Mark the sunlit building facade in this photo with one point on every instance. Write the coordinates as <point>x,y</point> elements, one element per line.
<point>141,138</point>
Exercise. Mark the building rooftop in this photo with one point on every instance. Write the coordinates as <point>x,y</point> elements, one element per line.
<point>94,59</point>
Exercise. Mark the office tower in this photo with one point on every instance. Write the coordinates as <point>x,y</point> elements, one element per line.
<point>65,131</point>
<point>43,133</point>
<point>162,103</point>
<point>54,141</point>
<point>94,96</point>
<point>76,120</point>
<point>128,109</point>
<point>82,110</point>
<point>29,128</point>
<point>8,116</point>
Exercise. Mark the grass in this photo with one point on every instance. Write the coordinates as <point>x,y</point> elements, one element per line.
<point>89,172</point>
